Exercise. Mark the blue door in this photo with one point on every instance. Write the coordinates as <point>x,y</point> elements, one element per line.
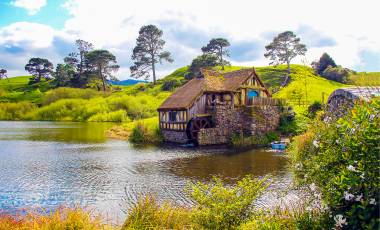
<point>251,94</point>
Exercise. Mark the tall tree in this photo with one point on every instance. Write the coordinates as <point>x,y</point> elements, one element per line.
<point>218,47</point>
<point>324,61</point>
<point>148,52</point>
<point>202,61</point>
<point>284,47</point>
<point>3,73</point>
<point>77,60</point>
<point>103,63</point>
<point>39,68</point>
<point>63,74</point>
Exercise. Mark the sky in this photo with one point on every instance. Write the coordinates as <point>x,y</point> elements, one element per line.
<point>347,30</point>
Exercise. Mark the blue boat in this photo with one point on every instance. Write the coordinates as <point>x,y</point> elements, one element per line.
<point>278,145</point>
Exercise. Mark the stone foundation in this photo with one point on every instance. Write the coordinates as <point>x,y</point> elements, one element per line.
<point>174,136</point>
<point>255,120</point>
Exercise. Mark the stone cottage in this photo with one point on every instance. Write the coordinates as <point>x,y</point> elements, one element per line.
<point>211,108</point>
<point>341,101</point>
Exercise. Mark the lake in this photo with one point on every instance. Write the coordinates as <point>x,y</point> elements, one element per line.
<point>50,164</point>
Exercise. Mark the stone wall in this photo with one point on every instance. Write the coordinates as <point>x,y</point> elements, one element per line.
<point>174,136</point>
<point>256,120</point>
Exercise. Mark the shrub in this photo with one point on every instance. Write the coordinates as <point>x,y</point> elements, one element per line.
<point>313,109</point>
<point>65,93</point>
<point>170,85</point>
<point>15,111</point>
<point>148,214</point>
<point>222,207</point>
<point>343,160</point>
<point>116,116</point>
<point>337,74</point>
<point>63,218</point>
<point>144,131</point>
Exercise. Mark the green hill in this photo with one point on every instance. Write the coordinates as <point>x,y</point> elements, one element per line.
<point>365,79</point>
<point>17,89</point>
<point>303,89</point>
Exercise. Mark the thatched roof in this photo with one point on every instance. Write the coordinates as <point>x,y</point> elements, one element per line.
<point>212,81</point>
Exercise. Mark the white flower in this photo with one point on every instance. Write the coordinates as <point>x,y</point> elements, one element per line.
<point>348,196</point>
<point>337,141</point>
<point>313,187</point>
<point>351,168</point>
<point>340,221</point>
<point>298,166</point>
<point>359,198</point>
<point>372,201</point>
<point>316,143</point>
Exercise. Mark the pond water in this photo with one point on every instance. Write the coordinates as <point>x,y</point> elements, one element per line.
<point>50,164</point>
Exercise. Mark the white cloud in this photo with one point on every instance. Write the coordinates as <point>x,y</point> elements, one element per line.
<point>32,6</point>
<point>343,31</point>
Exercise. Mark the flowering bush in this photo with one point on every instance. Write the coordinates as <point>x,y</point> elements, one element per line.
<point>343,160</point>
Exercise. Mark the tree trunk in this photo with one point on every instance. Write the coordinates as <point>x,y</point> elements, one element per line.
<point>103,80</point>
<point>287,74</point>
<point>221,58</point>
<point>154,72</point>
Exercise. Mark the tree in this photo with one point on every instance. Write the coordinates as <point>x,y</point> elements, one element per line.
<point>3,73</point>
<point>283,49</point>
<point>324,61</point>
<point>218,47</point>
<point>63,74</point>
<point>39,68</point>
<point>202,61</point>
<point>102,63</point>
<point>77,61</point>
<point>148,52</point>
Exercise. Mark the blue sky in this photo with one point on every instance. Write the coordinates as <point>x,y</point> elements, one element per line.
<point>48,28</point>
<point>51,14</point>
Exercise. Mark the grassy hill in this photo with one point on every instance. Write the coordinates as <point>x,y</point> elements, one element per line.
<point>303,89</point>
<point>365,79</point>
<point>17,89</point>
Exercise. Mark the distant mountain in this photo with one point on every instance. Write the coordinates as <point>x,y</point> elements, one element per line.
<point>127,82</point>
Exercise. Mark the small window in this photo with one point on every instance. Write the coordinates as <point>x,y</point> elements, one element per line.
<point>173,116</point>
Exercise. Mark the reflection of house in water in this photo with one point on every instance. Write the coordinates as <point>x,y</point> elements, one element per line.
<point>342,100</point>
<point>209,109</point>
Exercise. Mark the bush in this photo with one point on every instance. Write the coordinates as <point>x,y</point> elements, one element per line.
<point>148,214</point>
<point>116,116</point>
<point>15,111</point>
<point>65,93</point>
<point>144,131</point>
<point>170,85</point>
<point>222,207</point>
<point>63,218</point>
<point>337,74</point>
<point>343,160</point>
<point>313,109</point>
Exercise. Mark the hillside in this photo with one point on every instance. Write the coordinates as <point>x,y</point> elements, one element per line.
<point>304,87</point>
<point>17,89</point>
<point>365,78</point>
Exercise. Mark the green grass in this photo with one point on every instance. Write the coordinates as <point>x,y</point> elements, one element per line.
<point>309,86</point>
<point>17,89</point>
<point>365,79</point>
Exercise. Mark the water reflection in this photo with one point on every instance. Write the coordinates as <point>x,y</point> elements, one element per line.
<point>47,164</point>
<point>230,166</point>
